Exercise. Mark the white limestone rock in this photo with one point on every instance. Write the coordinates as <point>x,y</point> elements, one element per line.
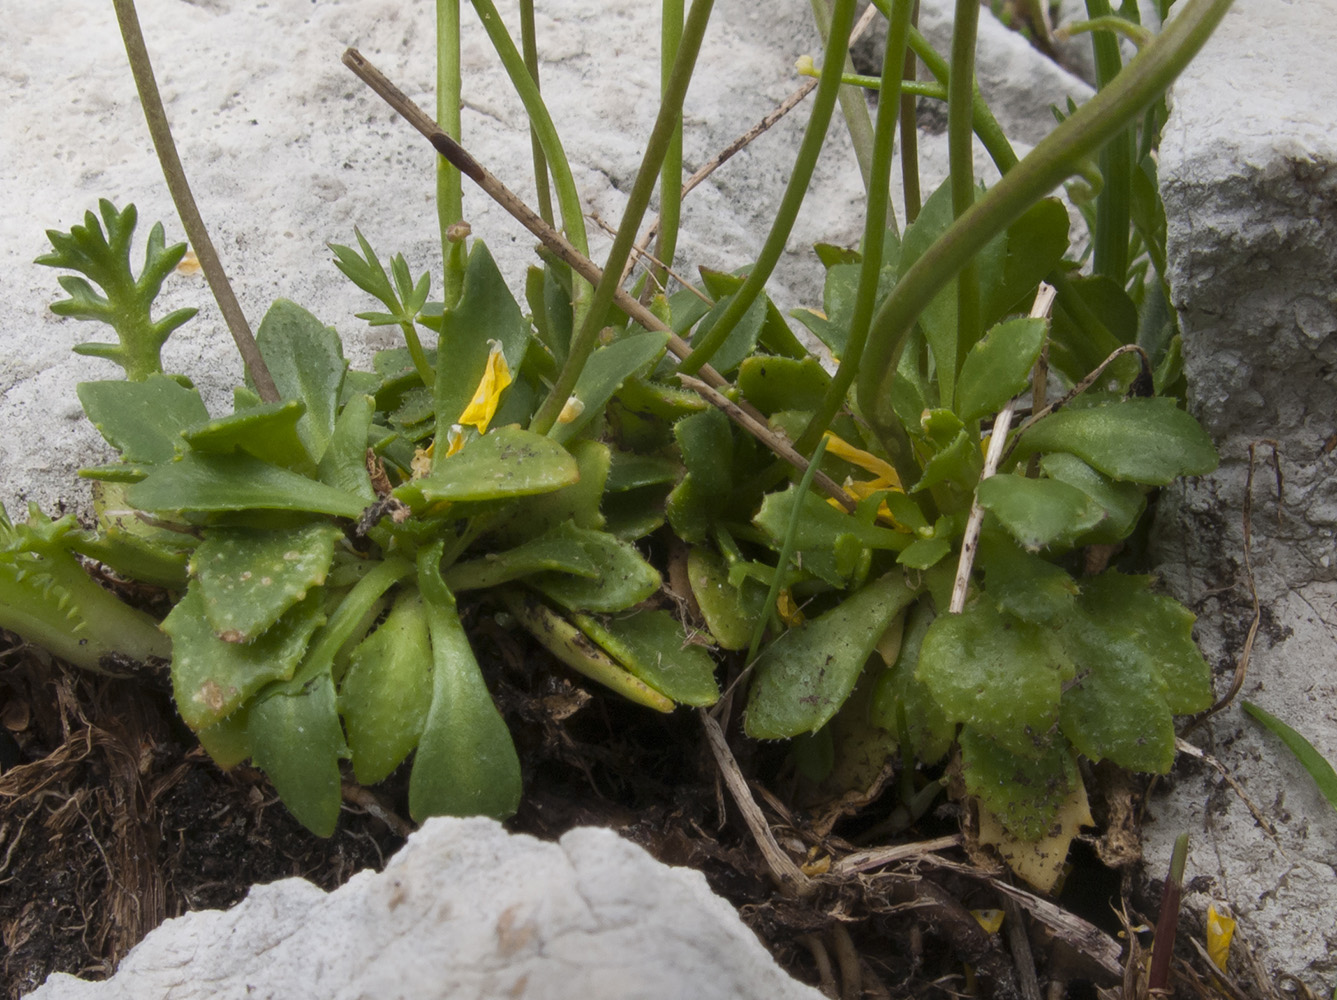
<point>464,910</point>
<point>1248,172</point>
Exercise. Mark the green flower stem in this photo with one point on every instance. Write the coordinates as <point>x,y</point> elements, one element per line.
<point>910,131</point>
<point>1048,164</point>
<point>540,122</point>
<point>449,182</point>
<point>961,92</point>
<point>879,197</point>
<point>175,175</point>
<point>416,353</point>
<point>638,199</point>
<point>811,147</point>
<point>670,175</point>
<point>914,88</point>
<point>852,103</point>
<point>1113,204</point>
<point>786,552</point>
<point>353,610</point>
<point>529,43</point>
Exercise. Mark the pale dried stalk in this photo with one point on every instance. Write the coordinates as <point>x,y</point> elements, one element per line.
<point>1044,300</point>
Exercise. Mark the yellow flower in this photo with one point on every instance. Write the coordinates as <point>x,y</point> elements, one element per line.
<point>496,377</point>
<point>884,476</point>
<point>1220,929</point>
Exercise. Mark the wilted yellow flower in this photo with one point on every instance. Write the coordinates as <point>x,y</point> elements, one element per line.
<point>454,439</point>
<point>1220,929</point>
<point>496,377</point>
<point>789,612</point>
<point>884,475</point>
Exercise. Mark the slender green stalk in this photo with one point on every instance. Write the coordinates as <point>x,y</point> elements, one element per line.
<point>961,92</point>
<point>853,105</point>
<point>910,132</point>
<point>670,175</point>
<point>786,549</point>
<point>915,88</point>
<point>811,147</point>
<point>874,235</point>
<point>175,175</point>
<point>449,182</point>
<point>1114,203</point>
<point>1047,165</point>
<point>529,42</point>
<point>638,200</point>
<point>1167,920</point>
<point>540,121</point>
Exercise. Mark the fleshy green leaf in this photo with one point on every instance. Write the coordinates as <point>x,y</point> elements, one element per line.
<point>730,612</point>
<point>466,764</point>
<point>1025,792</point>
<point>211,678</point>
<point>604,374</point>
<point>999,675</point>
<point>247,579</point>
<point>653,647</point>
<point>142,420</point>
<point>624,578</point>
<point>505,462</point>
<point>822,530</point>
<point>306,359</point>
<point>771,384</point>
<point>268,431</point>
<point>1039,513</point>
<point>1144,440</point>
<point>296,740</point>
<point>237,482</point>
<point>1136,664</point>
<point>560,550</point>
<point>1123,503</point>
<point>805,675</point>
<point>998,367</point>
<point>387,689</point>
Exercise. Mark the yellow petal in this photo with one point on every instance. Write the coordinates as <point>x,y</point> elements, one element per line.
<point>454,439</point>
<point>990,920</point>
<point>1220,929</point>
<point>496,377</point>
<point>879,467</point>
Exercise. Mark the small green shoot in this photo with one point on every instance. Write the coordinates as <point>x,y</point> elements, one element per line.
<point>1318,767</point>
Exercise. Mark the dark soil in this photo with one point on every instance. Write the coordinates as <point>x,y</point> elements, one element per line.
<point>112,820</point>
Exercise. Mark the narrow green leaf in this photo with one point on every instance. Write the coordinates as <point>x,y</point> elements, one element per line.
<point>1318,767</point>
<point>730,612</point>
<point>344,464</point>
<point>237,482</point>
<point>624,579</point>
<point>466,764</point>
<point>604,374</point>
<point>560,550</point>
<point>296,740</point>
<point>385,694</point>
<point>804,677</point>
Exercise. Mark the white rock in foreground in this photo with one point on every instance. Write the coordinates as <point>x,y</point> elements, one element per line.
<point>1248,171</point>
<point>464,910</point>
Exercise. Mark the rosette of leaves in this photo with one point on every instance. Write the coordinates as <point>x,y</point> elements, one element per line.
<point>327,535</point>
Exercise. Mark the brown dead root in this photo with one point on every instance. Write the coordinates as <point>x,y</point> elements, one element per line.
<point>115,821</point>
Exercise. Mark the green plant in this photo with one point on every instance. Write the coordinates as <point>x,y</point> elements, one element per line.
<point>1312,761</point>
<point>318,540</point>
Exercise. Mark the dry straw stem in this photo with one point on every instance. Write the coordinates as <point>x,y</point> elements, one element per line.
<point>175,175</point>
<point>1044,301</point>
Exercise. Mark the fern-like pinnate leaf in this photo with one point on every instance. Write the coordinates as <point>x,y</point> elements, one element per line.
<point>126,301</point>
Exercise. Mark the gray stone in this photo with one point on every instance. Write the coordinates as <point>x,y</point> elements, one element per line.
<point>1248,172</point>
<point>463,910</point>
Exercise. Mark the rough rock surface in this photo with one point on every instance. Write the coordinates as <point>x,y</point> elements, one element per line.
<point>463,910</point>
<point>1248,172</point>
